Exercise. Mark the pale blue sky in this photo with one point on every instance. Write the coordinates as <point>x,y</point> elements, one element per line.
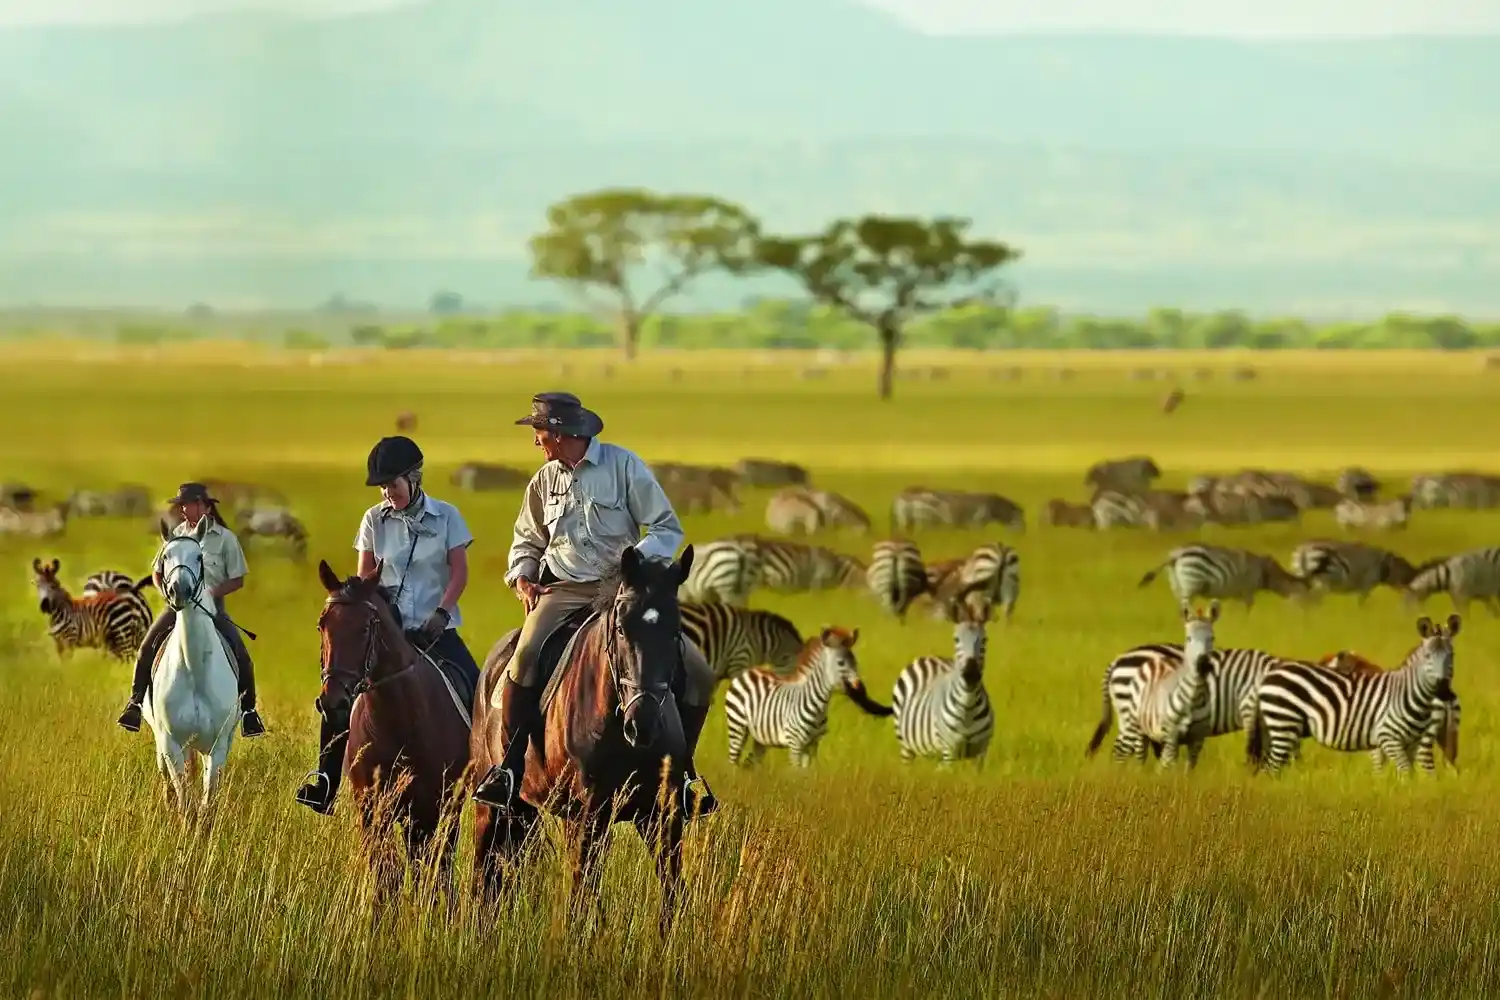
<point>1207,17</point>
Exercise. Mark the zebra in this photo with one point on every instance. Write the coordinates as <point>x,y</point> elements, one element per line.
<point>761,472</point>
<point>1392,514</point>
<point>115,621</point>
<point>1465,490</point>
<point>1357,484</point>
<point>1173,706</point>
<point>1211,571</point>
<point>763,709</point>
<point>1468,576</point>
<point>919,507</point>
<point>793,511</point>
<point>791,567</point>
<point>46,523</point>
<point>1125,475</point>
<point>1442,730</point>
<point>940,706</point>
<point>107,581</point>
<point>896,575</point>
<point>130,500</point>
<point>1264,483</point>
<point>1157,510</point>
<point>481,476</point>
<point>1355,711</point>
<point>689,496</point>
<point>724,571</point>
<point>996,567</point>
<point>713,479</point>
<point>273,522</point>
<point>839,511</point>
<point>1061,514</point>
<point>1227,508</point>
<point>1349,567</point>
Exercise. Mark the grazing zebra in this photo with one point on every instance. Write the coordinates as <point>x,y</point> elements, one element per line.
<point>1355,711</point>
<point>1393,514</point>
<point>793,511</point>
<point>1357,484</point>
<point>919,507</point>
<point>723,571</point>
<point>715,480</point>
<point>1441,731</point>
<point>691,496</point>
<point>480,476</point>
<point>994,568</point>
<point>735,639</point>
<point>1468,576</point>
<point>790,567</point>
<point>130,500</point>
<point>1465,490</point>
<point>763,709</point>
<point>1061,514</point>
<point>1349,567</point>
<point>1263,483</point>
<point>1226,508</point>
<point>115,621</point>
<point>1125,475</point>
<point>34,524</point>
<point>273,522</point>
<point>896,575</point>
<point>107,581</point>
<point>1211,571</point>
<point>839,511</point>
<point>1157,510</point>
<point>940,706</point>
<point>762,472</point>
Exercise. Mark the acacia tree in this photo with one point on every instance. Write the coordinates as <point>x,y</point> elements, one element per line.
<point>596,243</point>
<point>885,271</point>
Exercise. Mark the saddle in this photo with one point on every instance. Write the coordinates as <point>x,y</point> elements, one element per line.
<point>234,661</point>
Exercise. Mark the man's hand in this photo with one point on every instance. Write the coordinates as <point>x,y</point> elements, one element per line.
<point>434,626</point>
<point>528,592</point>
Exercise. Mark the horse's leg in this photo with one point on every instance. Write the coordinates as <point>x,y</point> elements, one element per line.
<point>175,765</point>
<point>168,780</point>
<point>663,837</point>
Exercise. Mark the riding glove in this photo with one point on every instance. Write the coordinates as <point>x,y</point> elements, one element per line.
<point>434,626</point>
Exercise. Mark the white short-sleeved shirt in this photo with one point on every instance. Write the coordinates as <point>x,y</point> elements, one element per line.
<point>423,567</point>
<point>223,558</point>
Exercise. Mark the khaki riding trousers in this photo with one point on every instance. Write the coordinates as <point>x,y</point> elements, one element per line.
<point>562,599</point>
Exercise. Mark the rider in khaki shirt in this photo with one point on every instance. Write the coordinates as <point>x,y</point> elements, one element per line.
<point>582,509</point>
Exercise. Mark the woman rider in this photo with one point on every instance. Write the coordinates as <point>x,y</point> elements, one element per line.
<point>421,544</point>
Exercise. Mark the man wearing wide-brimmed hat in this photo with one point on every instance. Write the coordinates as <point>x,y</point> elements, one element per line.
<point>581,511</point>
<point>224,572</point>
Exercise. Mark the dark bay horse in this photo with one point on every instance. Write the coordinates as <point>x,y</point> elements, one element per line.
<point>408,747</point>
<point>606,730</point>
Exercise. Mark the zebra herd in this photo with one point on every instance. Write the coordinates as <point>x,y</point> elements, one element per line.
<point>1167,695</point>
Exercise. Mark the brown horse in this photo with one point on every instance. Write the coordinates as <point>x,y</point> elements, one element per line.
<point>407,748</point>
<point>609,725</point>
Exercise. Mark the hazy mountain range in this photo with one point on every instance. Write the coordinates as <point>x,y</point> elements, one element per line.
<point>260,159</point>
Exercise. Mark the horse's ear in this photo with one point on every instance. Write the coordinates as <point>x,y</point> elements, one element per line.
<point>684,565</point>
<point>328,578</point>
<point>630,564</point>
<point>201,530</point>
<point>375,571</point>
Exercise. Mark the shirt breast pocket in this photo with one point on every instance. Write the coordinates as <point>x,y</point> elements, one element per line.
<point>609,515</point>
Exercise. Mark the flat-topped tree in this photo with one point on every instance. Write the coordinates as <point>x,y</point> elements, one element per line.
<point>886,271</point>
<point>596,243</point>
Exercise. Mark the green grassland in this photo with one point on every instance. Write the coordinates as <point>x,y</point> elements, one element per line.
<point>1042,874</point>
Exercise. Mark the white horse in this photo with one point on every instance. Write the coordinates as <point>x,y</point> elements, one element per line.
<point>193,706</point>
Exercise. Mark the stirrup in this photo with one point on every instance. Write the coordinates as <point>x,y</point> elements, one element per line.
<point>486,793</point>
<point>320,781</point>
<point>706,802</point>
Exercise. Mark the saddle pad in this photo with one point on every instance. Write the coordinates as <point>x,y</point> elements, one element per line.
<point>458,702</point>
<point>560,667</point>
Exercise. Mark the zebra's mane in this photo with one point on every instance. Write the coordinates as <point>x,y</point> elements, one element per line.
<point>814,645</point>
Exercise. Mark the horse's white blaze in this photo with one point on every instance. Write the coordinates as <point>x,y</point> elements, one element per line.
<point>193,705</point>
<point>651,616</point>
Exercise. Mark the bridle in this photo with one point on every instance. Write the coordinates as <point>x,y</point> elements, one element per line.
<point>196,597</point>
<point>373,644</point>
<point>657,692</point>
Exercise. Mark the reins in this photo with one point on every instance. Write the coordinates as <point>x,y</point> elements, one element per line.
<point>373,647</point>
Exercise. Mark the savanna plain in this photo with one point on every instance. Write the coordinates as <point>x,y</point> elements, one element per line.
<point>1041,874</point>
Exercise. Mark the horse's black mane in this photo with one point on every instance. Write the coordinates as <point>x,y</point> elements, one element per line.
<point>611,584</point>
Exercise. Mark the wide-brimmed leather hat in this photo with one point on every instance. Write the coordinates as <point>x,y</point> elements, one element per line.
<point>192,493</point>
<point>562,413</point>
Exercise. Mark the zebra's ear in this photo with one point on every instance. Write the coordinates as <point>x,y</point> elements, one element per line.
<point>1454,621</point>
<point>1213,610</point>
<point>36,565</point>
<point>1424,626</point>
<point>853,638</point>
<point>1187,611</point>
<point>56,565</point>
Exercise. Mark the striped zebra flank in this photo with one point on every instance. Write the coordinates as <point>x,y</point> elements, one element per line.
<point>763,709</point>
<point>1349,567</point>
<point>992,571</point>
<point>114,621</point>
<point>1156,510</point>
<point>725,571</point>
<point>940,706</point>
<point>1126,475</point>
<point>1062,514</point>
<point>919,507</point>
<point>1173,706</point>
<point>735,639</point>
<point>107,581</point>
<point>1462,490</point>
<point>1209,571</point>
<point>793,511</point>
<point>1391,515</point>
<point>1355,710</point>
<point>1230,509</point>
<point>1441,731</point>
<point>896,575</point>
<point>792,567</point>
<point>1468,576</point>
<point>47,523</point>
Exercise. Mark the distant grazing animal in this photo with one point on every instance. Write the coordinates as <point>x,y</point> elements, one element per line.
<point>1390,710</point>
<point>1391,515</point>
<point>940,706</point>
<point>724,571</point>
<point>792,567</point>
<point>1441,731</point>
<point>114,621</point>
<point>1263,483</point>
<point>1349,567</point>
<point>1212,571</point>
<point>127,501</point>
<point>992,571</point>
<point>763,709</point>
<point>896,575</point>
<point>1061,514</point>
<point>1172,400</point>
<point>1157,510</point>
<point>1357,484</point>
<point>1235,508</point>
<point>17,496</point>
<point>406,422</point>
<point>1464,490</point>
<point>232,493</point>
<point>839,511</point>
<point>701,478</point>
<point>792,511</point>
<point>920,507</point>
<point>690,497</point>
<point>762,472</point>
<point>34,524</point>
<point>273,522</point>
<point>482,476</point>
<point>1127,475</point>
<point>1468,576</point>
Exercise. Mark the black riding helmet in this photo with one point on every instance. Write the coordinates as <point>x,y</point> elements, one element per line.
<point>392,458</point>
